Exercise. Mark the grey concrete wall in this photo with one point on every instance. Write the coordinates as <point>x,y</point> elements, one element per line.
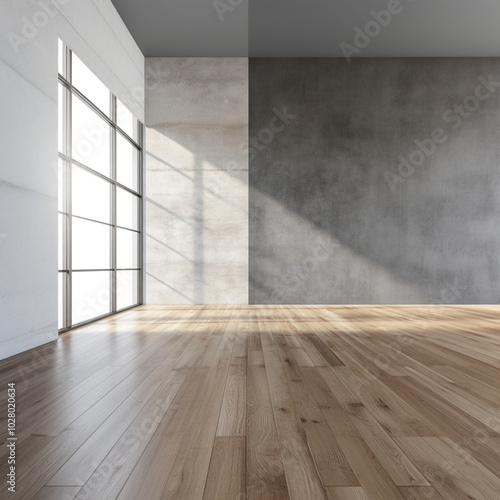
<point>380,185</point>
<point>28,130</point>
<point>196,181</point>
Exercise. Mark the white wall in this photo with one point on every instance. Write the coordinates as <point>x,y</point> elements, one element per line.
<point>28,135</point>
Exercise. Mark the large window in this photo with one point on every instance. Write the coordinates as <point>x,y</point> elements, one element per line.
<point>100,198</point>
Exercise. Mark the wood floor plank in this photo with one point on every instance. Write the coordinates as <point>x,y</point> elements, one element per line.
<point>395,462</point>
<point>372,476</point>
<point>470,404</point>
<point>445,418</point>
<point>346,493</point>
<point>318,389</point>
<point>232,420</point>
<point>58,493</point>
<point>485,392</point>
<point>324,350</point>
<point>265,474</point>
<point>226,474</point>
<point>487,483</point>
<point>312,351</point>
<point>420,493</point>
<point>353,392</point>
<point>440,473</point>
<point>331,462</point>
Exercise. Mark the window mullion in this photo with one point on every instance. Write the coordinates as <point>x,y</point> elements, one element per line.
<point>113,205</point>
<point>140,137</point>
<point>68,117</point>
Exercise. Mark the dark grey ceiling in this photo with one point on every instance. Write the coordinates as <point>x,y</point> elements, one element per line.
<point>286,28</point>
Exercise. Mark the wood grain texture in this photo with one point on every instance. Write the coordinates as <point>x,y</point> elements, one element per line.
<point>58,493</point>
<point>262,402</point>
<point>226,475</point>
<point>346,493</point>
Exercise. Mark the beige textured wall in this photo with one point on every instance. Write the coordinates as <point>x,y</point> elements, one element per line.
<point>196,181</point>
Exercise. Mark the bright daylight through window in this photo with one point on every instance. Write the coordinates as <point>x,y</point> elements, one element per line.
<point>100,197</point>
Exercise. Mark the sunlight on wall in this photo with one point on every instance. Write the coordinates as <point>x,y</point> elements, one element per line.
<point>310,268</point>
<point>197,220</point>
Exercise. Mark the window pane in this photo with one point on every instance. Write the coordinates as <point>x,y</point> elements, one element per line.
<point>61,241</point>
<point>91,295</point>
<point>91,195</point>
<point>126,288</point>
<point>90,86</point>
<point>60,57</point>
<point>91,138</point>
<point>126,120</point>
<point>126,209</point>
<point>61,172</point>
<point>60,140</point>
<point>91,245</point>
<point>127,248</point>
<point>127,160</point>
<point>60,322</point>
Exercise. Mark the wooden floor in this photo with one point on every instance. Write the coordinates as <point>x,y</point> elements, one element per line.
<point>262,402</point>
